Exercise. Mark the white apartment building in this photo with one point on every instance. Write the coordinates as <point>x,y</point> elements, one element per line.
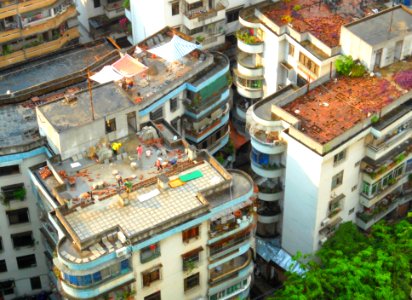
<point>339,147</point>
<point>23,269</point>
<point>208,21</point>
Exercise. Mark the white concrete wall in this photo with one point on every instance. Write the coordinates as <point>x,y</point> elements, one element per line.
<point>22,277</point>
<point>171,283</point>
<point>86,11</point>
<point>271,59</point>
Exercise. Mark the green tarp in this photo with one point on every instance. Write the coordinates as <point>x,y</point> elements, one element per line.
<point>191,176</point>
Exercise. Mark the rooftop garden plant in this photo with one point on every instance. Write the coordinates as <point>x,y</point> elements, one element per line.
<point>247,38</point>
<point>345,65</point>
<point>404,79</point>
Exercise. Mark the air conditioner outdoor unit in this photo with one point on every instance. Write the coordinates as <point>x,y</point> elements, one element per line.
<point>323,240</point>
<point>325,222</point>
<point>121,252</point>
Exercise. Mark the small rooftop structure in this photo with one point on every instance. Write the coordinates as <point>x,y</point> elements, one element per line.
<point>387,25</point>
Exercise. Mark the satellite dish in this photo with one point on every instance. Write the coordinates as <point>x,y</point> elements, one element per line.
<point>224,3</point>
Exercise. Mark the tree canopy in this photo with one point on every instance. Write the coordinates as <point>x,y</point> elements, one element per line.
<point>352,265</point>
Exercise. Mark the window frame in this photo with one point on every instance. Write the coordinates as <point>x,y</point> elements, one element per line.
<point>232,15</point>
<point>192,279</point>
<point>97,3</point>
<point>340,157</point>
<point>36,282</point>
<point>153,254</point>
<point>148,278</point>
<point>154,296</point>
<point>337,180</point>
<point>33,265</point>
<point>10,170</point>
<point>173,104</point>
<point>10,212</point>
<point>308,63</point>
<point>291,50</point>
<point>173,8</point>
<point>3,266</point>
<point>190,233</point>
<point>24,237</point>
<point>192,256</point>
<point>110,125</point>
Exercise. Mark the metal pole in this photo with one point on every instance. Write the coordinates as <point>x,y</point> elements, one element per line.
<point>89,84</point>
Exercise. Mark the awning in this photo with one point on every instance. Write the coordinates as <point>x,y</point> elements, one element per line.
<point>128,66</point>
<point>270,252</point>
<point>105,75</point>
<point>175,49</point>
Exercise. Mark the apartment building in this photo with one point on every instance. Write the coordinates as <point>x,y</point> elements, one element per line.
<point>24,267</point>
<point>184,232</point>
<point>102,18</point>
<point>338,148</point>
<point>208,22</point>
<point>30,29</point>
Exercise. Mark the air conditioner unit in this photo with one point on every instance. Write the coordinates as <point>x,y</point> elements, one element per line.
<point>121,252</point>
<point>323,240</point>
<point>325,222</point>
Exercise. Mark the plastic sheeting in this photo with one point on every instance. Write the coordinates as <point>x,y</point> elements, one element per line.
<point>269,252</point>
<point>128,66</point>
<point>175,49</point>
<point>105,75</point>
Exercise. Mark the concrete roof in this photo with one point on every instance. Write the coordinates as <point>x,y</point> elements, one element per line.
<point>107,99</point>
<point>389,24</point>
<point>52,67</point>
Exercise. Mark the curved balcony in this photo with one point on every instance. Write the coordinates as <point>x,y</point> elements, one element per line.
<point>268,212</point>
<point>265,144</point>
<point>270,196</point>
<point>44,48</point>
<point>270,191</point>
<point>248,18</point>
<point>266,165</point>
<point>249,87</point>
<point>230,289</point>
<point>229,269</point>
<point>248,42</point>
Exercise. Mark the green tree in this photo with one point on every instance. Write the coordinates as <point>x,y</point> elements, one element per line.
<point>344,64</point>
<point>352,265</point>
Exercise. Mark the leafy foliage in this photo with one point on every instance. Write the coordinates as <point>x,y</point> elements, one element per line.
<point>404,79</point>
<point>354,266</point>
<point>344,64</point>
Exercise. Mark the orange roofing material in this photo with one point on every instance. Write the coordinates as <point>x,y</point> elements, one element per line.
<point>315,17</point>
<point>336,106</point>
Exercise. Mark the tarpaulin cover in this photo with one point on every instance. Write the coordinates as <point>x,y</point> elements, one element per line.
<point>128,66</point>
<point>175,49</point>
<point>105,75</point>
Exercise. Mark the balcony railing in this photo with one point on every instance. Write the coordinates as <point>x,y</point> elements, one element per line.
<point>11,8</point>
<point>229,244</point>
<point>202,13</point>
<point>218,228</point>
<point>230,268</point>
<point>44,48</point>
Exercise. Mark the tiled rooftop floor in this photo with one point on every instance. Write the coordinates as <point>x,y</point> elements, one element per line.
<point>316,17</point>
<point>334,107</point>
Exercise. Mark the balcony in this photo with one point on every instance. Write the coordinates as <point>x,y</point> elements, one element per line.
<point>382,147</point>
<point>248,42</point>
<point>249,64</point>
<point>247,87</point>
<point>383,191</point>
<point>38,50</point>
<point>11,8</point>
<point>114,10</point>
<point>266,165</point>
<point>267,142</point>
<point>230,244</point>
<point>219,144</point>
<point>268,212</point>
<point>248,18</point>
<point>230,289</point>
<point>229,269</point>
<point>230,224</point>
<point>202,16</point>
<point>369,217</point>
<point>270,191</point>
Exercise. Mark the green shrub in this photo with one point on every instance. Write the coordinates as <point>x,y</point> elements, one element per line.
<point>358,70</point>
<point>297,7</point>
<point>344,64</point>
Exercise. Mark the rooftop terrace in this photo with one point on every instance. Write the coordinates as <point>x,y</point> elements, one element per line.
<point>338,105</point>
<point>321,20</point>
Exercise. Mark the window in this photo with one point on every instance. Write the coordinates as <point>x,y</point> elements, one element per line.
<point>151,276</point>
<point>1,244</point>
<point>9,170</point>
<point>354,188</point>
<point>96,3</point>
<point>335,205</point>
<point>337,180</point>
<point>35,283</point>
<point>190,234</point>
<point>26,261</point>
<point>14,192</point>
<point>308,63</point>
<point>173,104</point>
<point>351,211</point>
<point>291,50</point>
<point>191,281</point>
<point>157,114</point>
<point>110,125</point>
<point>194,5</point>
<point>175,8</point>
<point>233,15</point>
<point>7,287</point>
<point>195,30</point>
<point>18,216</point>
<point>154,296</point>
<point>3,266</point>
<point>149,253</point>
<point>175,123</point>
<point>23,239</point>
<point>338,158</point>
<point>191,258</point>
